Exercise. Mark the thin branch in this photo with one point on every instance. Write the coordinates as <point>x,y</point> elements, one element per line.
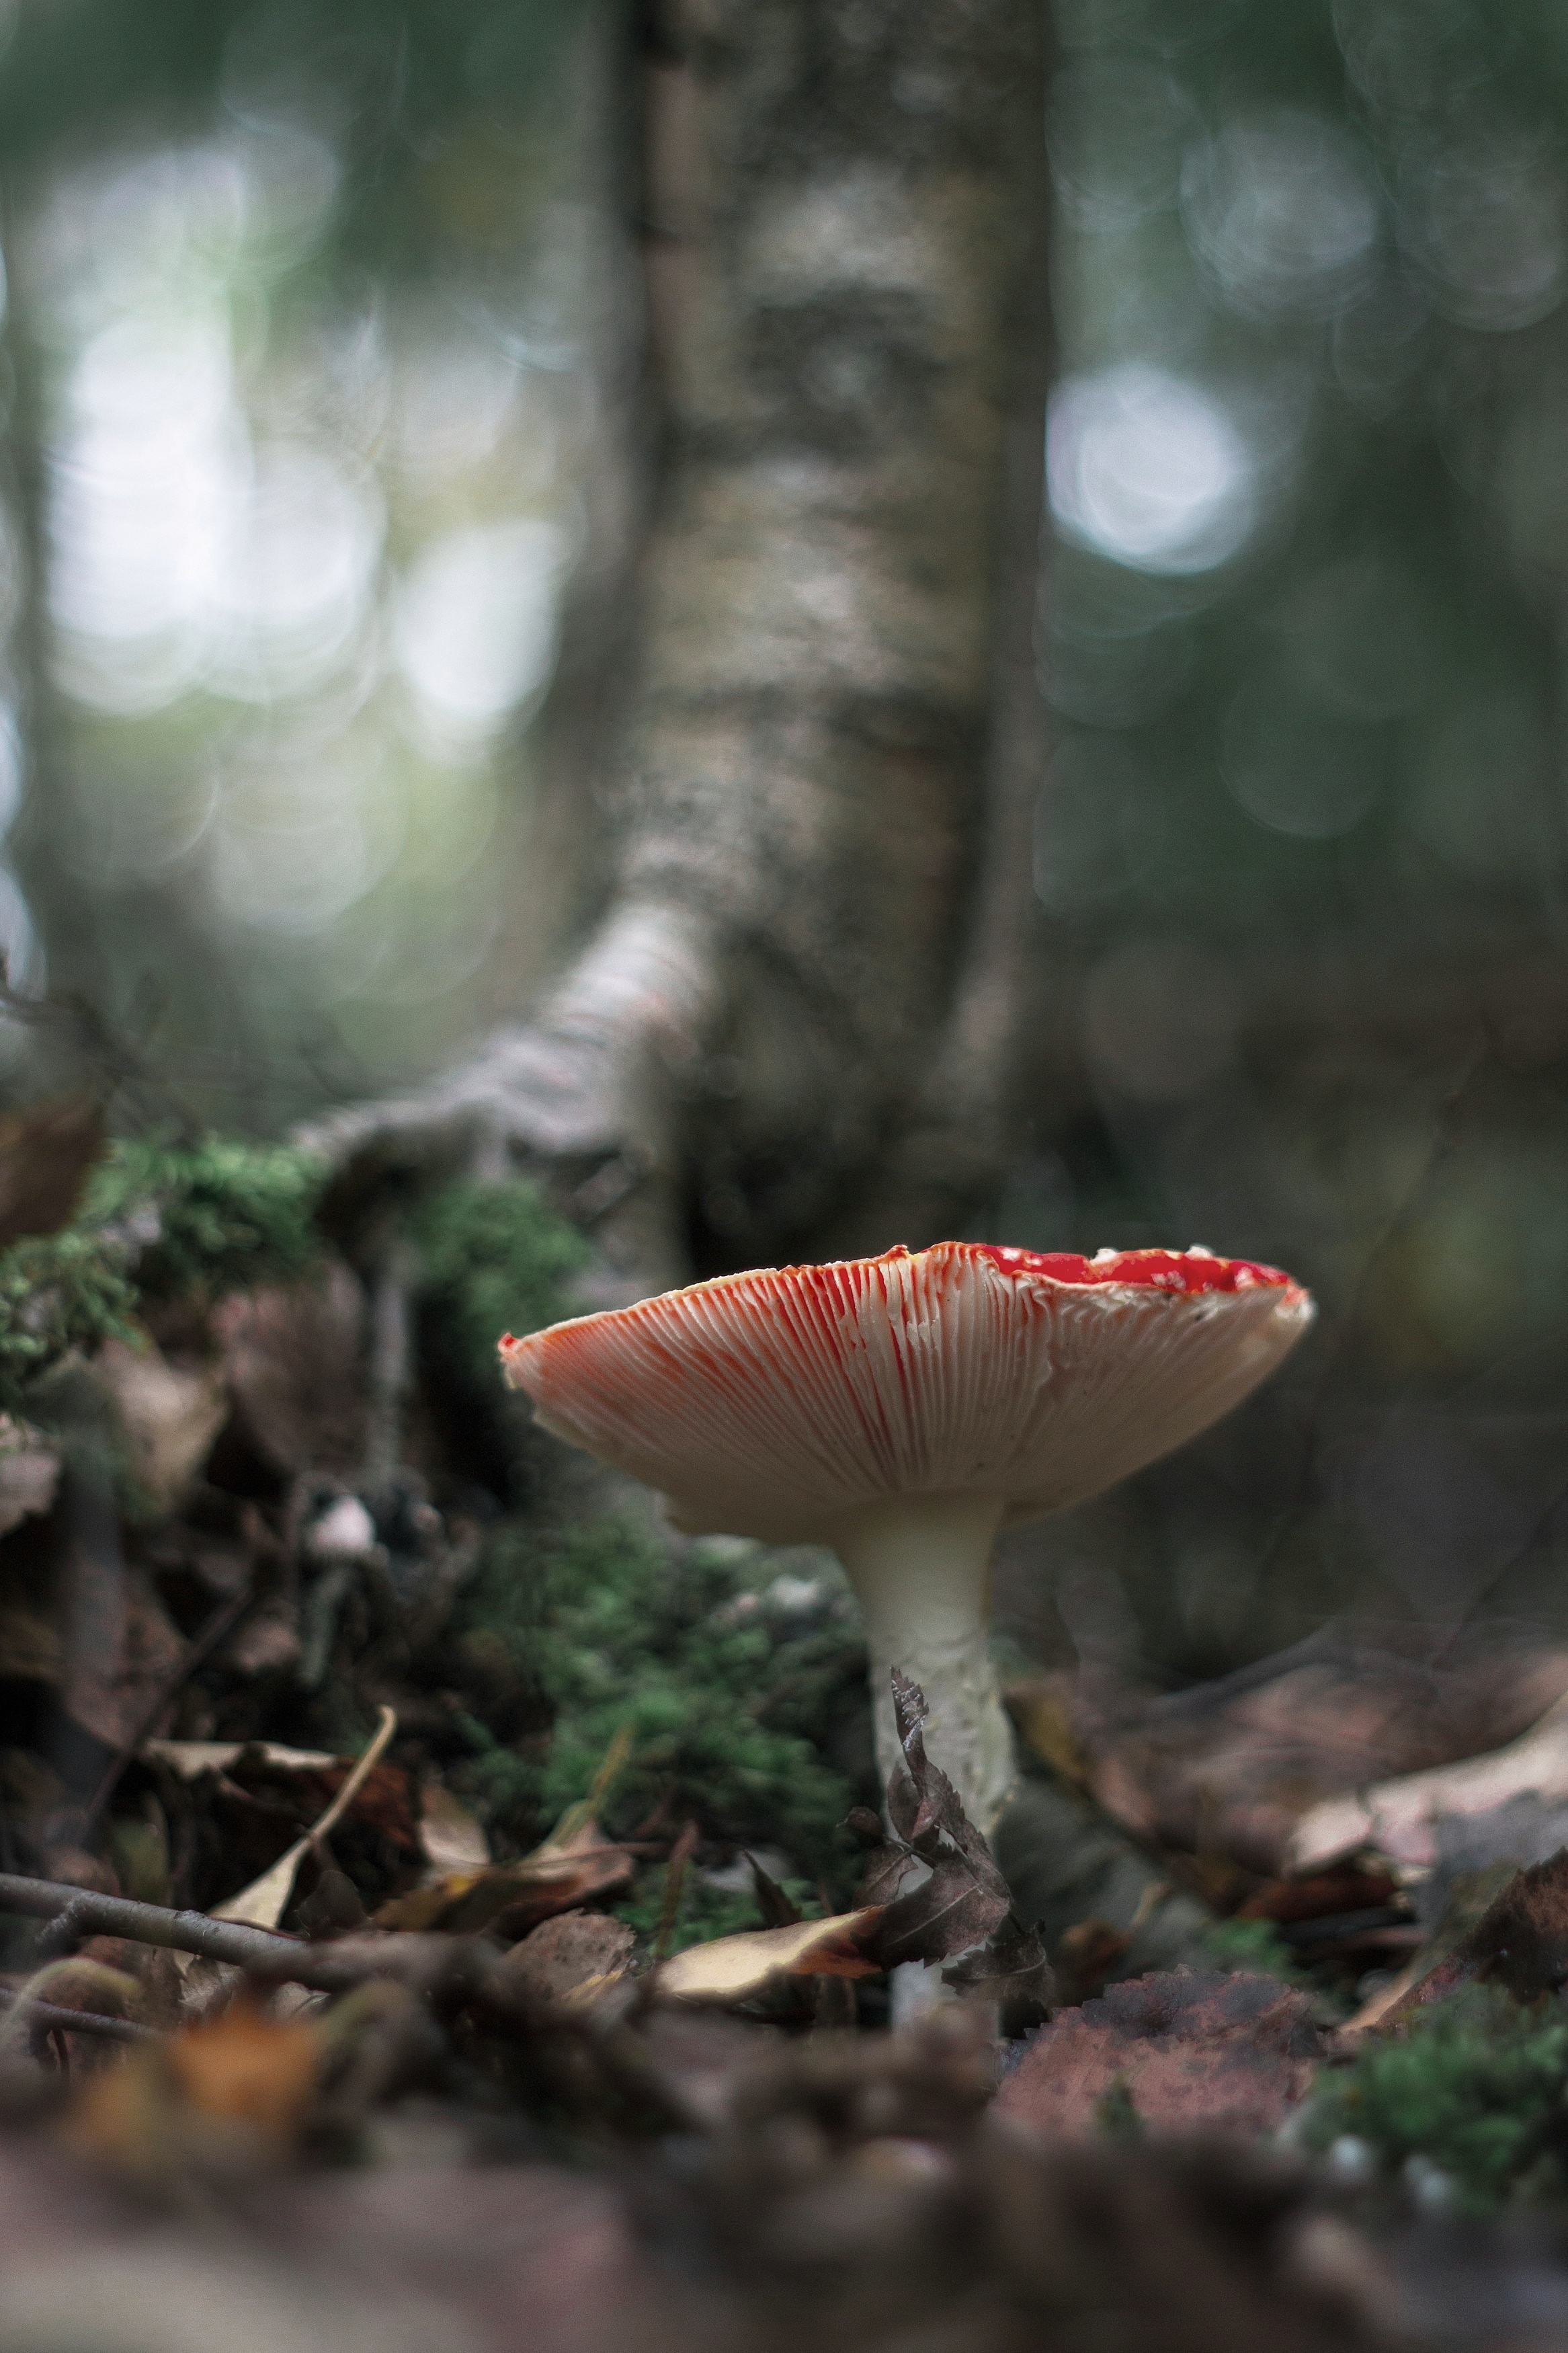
<point>44,2016</point>
<point>76,1913</point>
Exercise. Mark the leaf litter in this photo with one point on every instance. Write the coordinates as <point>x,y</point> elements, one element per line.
<point>506,1956</point>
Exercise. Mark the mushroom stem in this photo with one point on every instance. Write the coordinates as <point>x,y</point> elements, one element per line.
<point>921,1565</point>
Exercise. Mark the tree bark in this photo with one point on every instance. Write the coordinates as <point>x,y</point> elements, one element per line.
<point>793,1026</point>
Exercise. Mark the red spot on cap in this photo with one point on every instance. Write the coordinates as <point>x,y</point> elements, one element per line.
<point>1151,1269</point>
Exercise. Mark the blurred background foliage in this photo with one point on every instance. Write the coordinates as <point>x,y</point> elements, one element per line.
<point>1306,823</point>
<point>303,374</point>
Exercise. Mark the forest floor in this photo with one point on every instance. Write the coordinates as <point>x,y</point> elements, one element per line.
<point>441,1909</point>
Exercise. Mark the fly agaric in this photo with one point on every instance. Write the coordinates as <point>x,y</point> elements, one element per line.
<point>903,1410</point>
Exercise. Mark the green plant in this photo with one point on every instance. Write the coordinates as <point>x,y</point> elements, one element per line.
<point>730,1712</point>
<point>158,1219</point>
<point>1475,2088</point>
<point>210,1216</point>
<point>495,1257</point>
<point>58,1291</point>
<point>705,1911</point>
<point>1254,1945</point>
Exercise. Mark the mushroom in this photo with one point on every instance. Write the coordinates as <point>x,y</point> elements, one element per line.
<point>903,1410</point>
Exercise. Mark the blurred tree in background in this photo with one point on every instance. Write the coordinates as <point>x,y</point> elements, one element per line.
<point>332,446</point>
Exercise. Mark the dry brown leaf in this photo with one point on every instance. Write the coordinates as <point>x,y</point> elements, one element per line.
<point>191,1758</point>
<point>451,1839</point>
<point>576,1959</point>
<point>1228,1770</point>
<point>29,1473</point>
<point>251,2077</point>
<point>167,1415</point>
<point>511,1898</point>
<point>1521,1941</point>
<point>47,1154</point>
<point>1399,1818</point>
<point>263,1903</point>
<point>729,1969</point>
<point>1193,2053</point>
<point>293,1358</point>
<point>964,1899</point>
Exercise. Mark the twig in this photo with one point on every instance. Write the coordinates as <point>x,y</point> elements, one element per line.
<point>77,1911</point>
<point>221,1623</point>
<point>42,2015</point>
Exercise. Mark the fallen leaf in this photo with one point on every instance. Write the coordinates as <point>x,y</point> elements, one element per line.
<point>1520,1940</point>
<point>47,1154</point>
<point>1399,1818</point>
<point>450,1838</point>
<point>166,1417</point>
<point>1466,1898</point>
<point>242,2069</point>
<point>965,1899</point>
<point>292,1361</point>
<point>777,1910</point>
<point>1205,2052</point>
<point>1013,1970</point>
<point>191,1758</point>
<point>511,1898</point>
<point>29,1473</point>
<point>729,1969</point>
<point>576,1959</point>
<point>263,1903</point>
<point>1229,1769</point>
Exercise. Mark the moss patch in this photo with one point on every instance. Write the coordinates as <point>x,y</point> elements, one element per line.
<point>495,1257</point>
<point>734,1706</point>
<point>1475,2089</point>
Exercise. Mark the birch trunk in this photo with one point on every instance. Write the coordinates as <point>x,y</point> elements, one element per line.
<point>811,739</point>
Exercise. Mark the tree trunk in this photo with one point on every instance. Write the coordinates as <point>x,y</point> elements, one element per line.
<point>793,1026</point>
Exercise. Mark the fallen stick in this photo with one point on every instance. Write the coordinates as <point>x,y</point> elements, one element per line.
<point>43,2017</point>
<point>76,1913</point>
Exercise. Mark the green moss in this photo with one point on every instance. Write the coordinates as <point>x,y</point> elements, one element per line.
<point>158,1219</point>
<point>211,1217</point>
<point>1254,1945</point>
<point>1475,2089</point>
<point>729,1713</point>
<point>497,1257</point>
<point>58,1291</point>
<point>705,1912</point>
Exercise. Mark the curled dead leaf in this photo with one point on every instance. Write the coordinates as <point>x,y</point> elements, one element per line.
<point>576,1959</point>
<point>263,1903</point>
<point>451,1839</point>
<point>737,1968</point>
<point>511,1898</point>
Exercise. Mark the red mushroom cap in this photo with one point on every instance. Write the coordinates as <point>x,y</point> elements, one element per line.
<point>772,1403</point>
